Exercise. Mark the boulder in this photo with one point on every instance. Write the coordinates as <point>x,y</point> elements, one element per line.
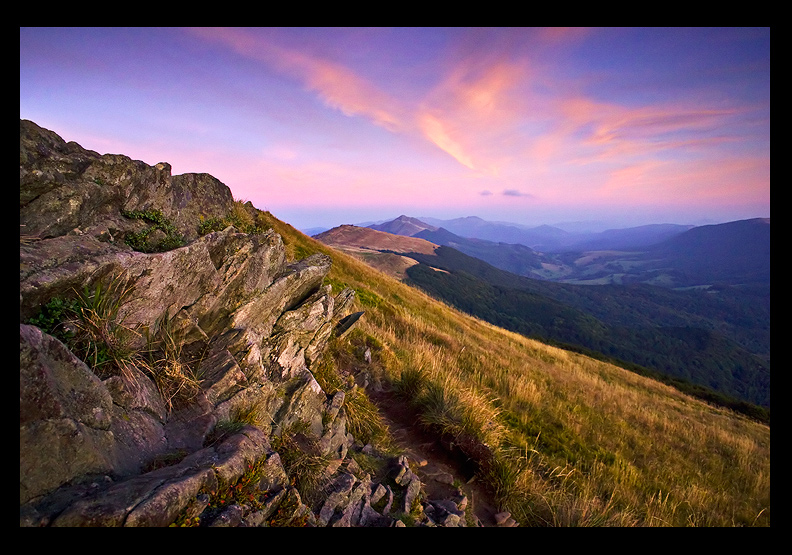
<point>65,414</point>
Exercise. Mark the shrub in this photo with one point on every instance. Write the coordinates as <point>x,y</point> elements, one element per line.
<point>140,241</point>
<point>411,383</point>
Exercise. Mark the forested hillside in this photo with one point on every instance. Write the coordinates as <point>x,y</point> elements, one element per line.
<point>719,340</point>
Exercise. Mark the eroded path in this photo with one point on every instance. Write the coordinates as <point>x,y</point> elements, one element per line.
<point>443,475</point>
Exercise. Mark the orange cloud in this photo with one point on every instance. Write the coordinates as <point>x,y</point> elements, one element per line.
<point>610,132</point>
<point>435,131</point>
<point>471,113</point>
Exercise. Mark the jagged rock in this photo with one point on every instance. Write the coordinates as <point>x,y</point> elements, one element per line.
<point>505,520</point>
<point>64,416</point>
<point>352,505</point>
<point>337,498</point>
<point>378,493</point>
<point>386,509</point>
<point>304,405</point>
<point>273,477</point>
<point>345,324</point>
<point>229,518</point>
<point>342,301</point>
<point>291,507</point>
<point>258,518</point>
<point>413,489</point>
<point>64,186</point>
<point>222,376</point>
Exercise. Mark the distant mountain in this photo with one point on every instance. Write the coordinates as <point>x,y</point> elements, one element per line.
<point>403,225</point>
<point>632,238</point>
<point>734,253</point>
<point>311,231</point>
<point>476,228</point>
<point>549,239</point>
<point>515,258</point>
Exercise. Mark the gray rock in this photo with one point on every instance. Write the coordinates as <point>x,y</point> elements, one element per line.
<point>64,186</point>
<point>64,417</point>
<point>413,489</point>
<point>229,518</point>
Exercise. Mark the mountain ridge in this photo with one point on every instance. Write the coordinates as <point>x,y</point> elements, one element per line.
<point>659,254</point>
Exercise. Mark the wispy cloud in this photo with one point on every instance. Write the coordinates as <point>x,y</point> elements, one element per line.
<point>436,132</point>
<point>338,86</point>
<point>516,193</point>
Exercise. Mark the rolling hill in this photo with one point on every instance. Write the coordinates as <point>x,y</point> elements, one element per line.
<point>377,248</point>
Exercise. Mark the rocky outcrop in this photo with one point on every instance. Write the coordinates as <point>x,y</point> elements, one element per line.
<point>64,187</point>
<point>101,448</point>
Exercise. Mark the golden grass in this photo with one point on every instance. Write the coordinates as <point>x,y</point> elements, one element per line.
<point>579,441</point>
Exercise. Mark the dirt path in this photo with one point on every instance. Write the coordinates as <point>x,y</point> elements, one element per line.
<point>435,466</point>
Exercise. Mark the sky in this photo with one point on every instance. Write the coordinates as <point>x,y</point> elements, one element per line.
<point>331,126</point>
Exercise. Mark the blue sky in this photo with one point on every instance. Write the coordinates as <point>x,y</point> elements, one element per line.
<point>330,126</point>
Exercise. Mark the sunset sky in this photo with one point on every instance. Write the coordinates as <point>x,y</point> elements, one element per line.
<point>329,126</point>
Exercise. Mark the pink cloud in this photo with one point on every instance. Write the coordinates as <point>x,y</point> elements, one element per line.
<point>436,132</point>
<point>694,182</point>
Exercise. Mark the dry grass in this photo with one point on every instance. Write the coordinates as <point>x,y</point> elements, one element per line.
<point>578,441</point>
<point>174,375</point>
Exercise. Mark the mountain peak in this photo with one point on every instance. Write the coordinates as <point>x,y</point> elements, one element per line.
<point>403,225</point>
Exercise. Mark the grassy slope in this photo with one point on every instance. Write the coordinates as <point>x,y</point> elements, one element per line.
<point>578,441</point>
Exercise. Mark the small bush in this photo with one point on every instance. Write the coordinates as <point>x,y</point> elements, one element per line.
<point>252,413</point>
<point>175,377</point>
<point>363,419</point>
<point>140,241</point>
<point>52,316</point>
<point>302,461</point>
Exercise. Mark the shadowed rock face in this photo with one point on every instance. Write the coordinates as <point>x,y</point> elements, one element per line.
<point>250,323</point>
